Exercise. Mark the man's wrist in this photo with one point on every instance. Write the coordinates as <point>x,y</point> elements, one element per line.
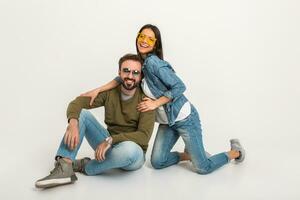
<point>73,121</point>
<point>109,140</point>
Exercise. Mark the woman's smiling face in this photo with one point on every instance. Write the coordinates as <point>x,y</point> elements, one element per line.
<point>146,41</point>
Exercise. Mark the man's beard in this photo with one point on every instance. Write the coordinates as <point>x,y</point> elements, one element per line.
<point>129,86</point>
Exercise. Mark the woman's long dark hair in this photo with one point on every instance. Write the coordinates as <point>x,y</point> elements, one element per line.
<point>157,50</point>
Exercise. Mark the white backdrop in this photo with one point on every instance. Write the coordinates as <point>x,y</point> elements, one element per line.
<point>239,60</point>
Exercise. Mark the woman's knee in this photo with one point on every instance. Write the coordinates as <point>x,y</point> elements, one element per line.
<point>203,170</point>
<point>157,161</point>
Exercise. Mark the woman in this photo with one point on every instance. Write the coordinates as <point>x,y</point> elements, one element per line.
<point>176,116</point>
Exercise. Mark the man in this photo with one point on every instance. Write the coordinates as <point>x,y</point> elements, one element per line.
<point>122,145</point>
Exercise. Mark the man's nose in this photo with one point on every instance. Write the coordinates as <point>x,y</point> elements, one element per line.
<point>130,75</point>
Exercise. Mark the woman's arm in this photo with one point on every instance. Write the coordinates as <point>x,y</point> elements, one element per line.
<point>93,93</point>
<point>166,74</point>
<point>164,71</point>
<point>174,84</point>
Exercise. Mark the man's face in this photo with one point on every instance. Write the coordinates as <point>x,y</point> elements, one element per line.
<point>130,74</point>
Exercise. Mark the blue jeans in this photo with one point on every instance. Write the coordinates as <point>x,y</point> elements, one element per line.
<point>190,131</point>
<point>125,155</point>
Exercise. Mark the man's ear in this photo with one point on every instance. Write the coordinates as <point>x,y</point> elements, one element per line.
<point>119,72</point>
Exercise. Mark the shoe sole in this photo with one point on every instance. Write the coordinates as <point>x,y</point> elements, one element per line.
<point>55,182</point>
<point>241,158</point>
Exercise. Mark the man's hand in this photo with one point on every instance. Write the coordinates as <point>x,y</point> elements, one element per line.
<point>71,138</point>
<point>101,150</point>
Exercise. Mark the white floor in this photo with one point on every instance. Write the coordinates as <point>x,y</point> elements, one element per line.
<point>270,171</point>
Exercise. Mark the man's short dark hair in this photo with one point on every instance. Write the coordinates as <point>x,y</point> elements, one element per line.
<point>130,56</point>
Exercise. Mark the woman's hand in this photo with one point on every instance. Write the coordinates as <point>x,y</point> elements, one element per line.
<point>147,105</point>
<point>92,93</point>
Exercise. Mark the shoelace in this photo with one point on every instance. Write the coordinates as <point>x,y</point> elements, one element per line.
<point>57,167</point>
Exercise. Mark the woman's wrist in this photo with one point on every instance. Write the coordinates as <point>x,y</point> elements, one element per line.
<point>161,101</point>
<point>157,103</point>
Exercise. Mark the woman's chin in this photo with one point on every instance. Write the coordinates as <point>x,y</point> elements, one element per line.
<point>144,51</point>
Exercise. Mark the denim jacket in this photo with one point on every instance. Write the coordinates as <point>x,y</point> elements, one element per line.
<point>162,81</point>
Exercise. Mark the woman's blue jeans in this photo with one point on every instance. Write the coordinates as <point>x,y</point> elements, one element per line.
<point>125,155</point>
<point>190,131</point>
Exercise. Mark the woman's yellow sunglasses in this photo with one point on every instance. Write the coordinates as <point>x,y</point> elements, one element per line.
<point>149,40</point>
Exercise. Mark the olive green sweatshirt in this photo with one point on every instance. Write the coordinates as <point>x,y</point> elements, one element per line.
<point>124,122</point>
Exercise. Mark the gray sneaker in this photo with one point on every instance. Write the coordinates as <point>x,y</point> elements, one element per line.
<point>236,145</point>
<point>78,165</point>
<point>62,174</point>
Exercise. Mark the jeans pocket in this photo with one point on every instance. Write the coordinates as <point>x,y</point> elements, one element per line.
<point>184,121</point>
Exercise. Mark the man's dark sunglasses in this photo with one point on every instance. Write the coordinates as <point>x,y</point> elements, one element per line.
<point>134,73</point>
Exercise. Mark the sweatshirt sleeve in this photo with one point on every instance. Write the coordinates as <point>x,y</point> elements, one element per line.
<point>143,133</point>
<point>75,106</point>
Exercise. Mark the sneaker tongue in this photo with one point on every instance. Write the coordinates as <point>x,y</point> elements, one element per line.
<point>57,169</point>
<point>64,165</point>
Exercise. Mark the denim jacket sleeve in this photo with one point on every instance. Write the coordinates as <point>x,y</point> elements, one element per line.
<point>164,71</point>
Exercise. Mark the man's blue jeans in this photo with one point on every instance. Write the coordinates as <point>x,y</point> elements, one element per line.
<point>190,131</point>
<point>125,155</point>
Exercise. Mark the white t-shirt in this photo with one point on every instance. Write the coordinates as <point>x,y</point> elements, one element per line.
<point>161,116</point>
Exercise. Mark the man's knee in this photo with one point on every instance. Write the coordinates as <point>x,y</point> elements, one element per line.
<point>134,154</point>
<point>132,150</point>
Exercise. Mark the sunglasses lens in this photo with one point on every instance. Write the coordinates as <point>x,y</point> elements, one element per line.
<point>126,70</point>
<point>141,36</point>
<point>149,40</point>
<point>135,73</point>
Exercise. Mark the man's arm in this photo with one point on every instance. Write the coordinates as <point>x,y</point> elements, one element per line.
<point>81,102</point>
<point>143,133</point>
<point>71,138</point>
